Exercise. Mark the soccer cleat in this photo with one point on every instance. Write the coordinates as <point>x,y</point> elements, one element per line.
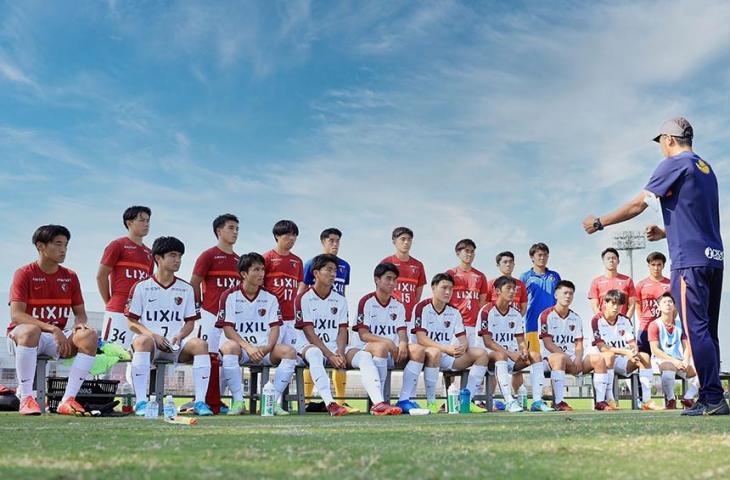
<point>202,409</point>
<point>350,409</point>
<point>140,408</point>
<point>670,404</point>
<point>700,408</point>
<point>279,412</point>
<point>604,406</point>
<point>224,409</point>
<point>70,407</point>
<point>433,407</point>
<point>237,408</point>
<point>650,405</point>
<point>186,408</point>
<point>563,407</point>
<point>540,406</point>
<point>613,404</point>
<point>337,410</point>
<point>513,407</point>
<point>380,409</point>
<point>688,403</point>
<point>498,406</point>
<point>474,408</point>
<point>409,407</point>
<point>316,407</point>
<point>28,406</point>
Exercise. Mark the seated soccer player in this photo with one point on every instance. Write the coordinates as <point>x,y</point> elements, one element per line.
<point>613,335</point>
<point>321,316</point>
<point>439,328</point>
<point>42,296</point>
<point>503,332</point>
<point>381,329</point>
<point>161,313</point>
<point>562,336</point>
<point>669,347</point>
<point>251,321</point>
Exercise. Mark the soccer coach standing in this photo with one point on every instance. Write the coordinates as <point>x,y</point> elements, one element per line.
<point>687,188</point>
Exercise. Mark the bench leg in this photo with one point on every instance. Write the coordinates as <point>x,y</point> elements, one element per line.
<point>489,392</point>
<point>160,387</point>
<point>386,387</point>
<point>634,392</point>
<point>253,390</point>
<point>299,379</point>
<point>40,383</point>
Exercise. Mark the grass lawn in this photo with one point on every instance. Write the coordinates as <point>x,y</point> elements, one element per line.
<point>583,444</point>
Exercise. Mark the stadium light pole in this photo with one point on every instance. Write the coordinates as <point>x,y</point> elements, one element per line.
<point>630,240</point>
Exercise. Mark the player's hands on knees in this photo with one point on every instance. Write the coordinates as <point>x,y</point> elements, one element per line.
<point>402,353</point>
<point>162,343</point>
<point>80,326</point>
<point>257,354</point>
<point>456,350</point>
<point>337,360</point>
<point>514,356</point>
<point>64,346</point>
<point>176,340</point>
<point>654,233</point>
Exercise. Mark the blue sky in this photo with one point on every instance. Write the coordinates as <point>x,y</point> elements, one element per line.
<point>506,122</point>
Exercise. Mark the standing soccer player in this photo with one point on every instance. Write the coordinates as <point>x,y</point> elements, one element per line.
<point>440,329</point>
<point>412,273</point>
<point>125,261</point>
<point>42,297</point>
<point>612,280</point>
<point>562,337</point>
<point>506,265</point>
<point>648,292</point>
<point>540,283</point>
<point>214,272</point>
<point>250,318</point>
<point>669,348</point>
<point>330,238</point>
<point>161,314</point>
<point>687,188</point>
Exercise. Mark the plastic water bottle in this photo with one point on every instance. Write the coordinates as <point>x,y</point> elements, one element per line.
<point>169,409</point>
<point>151,412</point>
<point>267,400</point>
<point>452,399</point>
<point>127,401</point>
<point>464,400</point>
<point>522,396</point>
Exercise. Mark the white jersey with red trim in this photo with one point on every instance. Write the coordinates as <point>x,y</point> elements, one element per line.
<point>326,315</point>
<point>504,328</point>
<point>564,332</point>
<point>162,309</point>
<point>252,318</point>
<point>382,320</point>
<point>441,327</point>
<point>617,335</point>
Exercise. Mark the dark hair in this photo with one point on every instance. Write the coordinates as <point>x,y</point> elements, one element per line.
<point>398,231</point>
<point>440,277</point>
<point>462,244</point>
<point>164,245</point>
<point>384,268</point>
<point>327,232</point>
<point>683,141</point>
<point>610,250</point>
<point>220,222</point>
<point>504,254</point>
<point>283,227</point>
<point>538,246</point>
<point>46,233</point>
<point>656,256</point>
<point>323,259</point>
<point>566,284</point>
<point>502,281</point>
<point>132,212</point>
<point>248,260</point>
<point>667,295</point>
<point>615,296</point>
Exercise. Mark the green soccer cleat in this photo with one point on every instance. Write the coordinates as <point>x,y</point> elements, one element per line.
<point>433,407</point>
<point>474,408</point>
<point>279,412</point>
<point>237,408</point>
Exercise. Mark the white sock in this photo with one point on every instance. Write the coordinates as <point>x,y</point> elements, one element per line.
<point>410,379</point>
<point>537,375</point>
<point>694,387</point>
<point>381,364</point>
<point>232,377</point>
<point>319,375</point>
<point>504,380</point>
<point>141,375</point>
<point>558,378</point>
<point>646,375</point>
<point>668,384</point>
<point>430,378</point>
<point>476,377</point>
<point>26,359</point>
<point>201,376</point>
<point>600,382</point>
<point>283,375</point>
<point>79,369</point>
<point>368,375</point>
<point>609,384</point>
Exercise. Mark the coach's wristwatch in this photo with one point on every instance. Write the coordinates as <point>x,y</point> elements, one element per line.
<point>597,224</point>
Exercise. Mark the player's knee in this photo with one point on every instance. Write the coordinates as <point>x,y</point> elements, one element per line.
<point>433,353</point>
<point>499,356</point>
<point>143,343</point>
<point>230,347</point>
<point>86,339</point>
<point>417,352</point>
<point>378,349</point>
<point>197,346</point>
<point>535,357</point>
<point>314,354</point>
<point>27,335</point>
<point>286,351</point>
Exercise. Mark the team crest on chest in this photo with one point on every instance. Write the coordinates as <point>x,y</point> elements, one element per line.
<point>333,310</point>
<point>622,332</point>
<point>511,324</point>
<point>178,300</point>
<point>447,323</point>
<point>571,327</point>
<point>393,316</point>
<point>262,312</point>
<point>64,287</point>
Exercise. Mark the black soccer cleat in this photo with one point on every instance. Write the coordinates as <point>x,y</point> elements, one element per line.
<point>701,408</point>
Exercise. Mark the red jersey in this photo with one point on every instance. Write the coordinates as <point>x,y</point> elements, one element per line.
<point>48,298</point>
<point>130,263</point>
<point>412,275</point>
<point>468,286</point>
<point>648,292</point>
<point>219,272</point>
<point>283,274</point>
<point>601,285</point>
<point>520,293</point>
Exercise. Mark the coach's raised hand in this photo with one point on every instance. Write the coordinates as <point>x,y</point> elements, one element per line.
<point>654,233</point>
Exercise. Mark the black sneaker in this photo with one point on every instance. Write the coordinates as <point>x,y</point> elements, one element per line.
<point>701,408</point>
<point>316,407</point>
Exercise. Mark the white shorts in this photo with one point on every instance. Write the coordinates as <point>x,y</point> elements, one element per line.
<point>244,359</point>
<point>547,364</point>
<point>173,357</point>
<point>116,329</point>
<point>472,338</point>
<point>510,367</point>
<point>620,364</point>
<point>447,362</point>
<point>205,329</point>
<point>288,335</point>
<point>46,344</point>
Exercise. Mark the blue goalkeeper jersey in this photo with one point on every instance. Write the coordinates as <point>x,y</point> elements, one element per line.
<point>540,295</point>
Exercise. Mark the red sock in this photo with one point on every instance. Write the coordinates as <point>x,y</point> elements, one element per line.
<point>213,395</point>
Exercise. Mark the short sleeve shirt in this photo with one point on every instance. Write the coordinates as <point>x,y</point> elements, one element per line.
<point>130,263</point>
<point>504,328</point>
<point>283,274</point>
<point>325,315</point>
<point>563,332</point>
<point>616,335</point>
<point>412,275</point>
<point>601,285</point>
<point>251,318</point>
<point>219,272</point>
<point>384,320</point>
<point>648,292</point>
<point>468,286</point>
<point>441,327</point>
<point>341,280</point>
<point>162,309</point>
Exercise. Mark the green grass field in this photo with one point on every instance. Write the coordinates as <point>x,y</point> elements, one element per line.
<point>584,444</point>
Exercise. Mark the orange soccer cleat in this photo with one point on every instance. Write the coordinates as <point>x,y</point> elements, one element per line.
<point>337,410</point>
<point>384,408</point>
<point>70,407</point>
<point>28,406</point>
